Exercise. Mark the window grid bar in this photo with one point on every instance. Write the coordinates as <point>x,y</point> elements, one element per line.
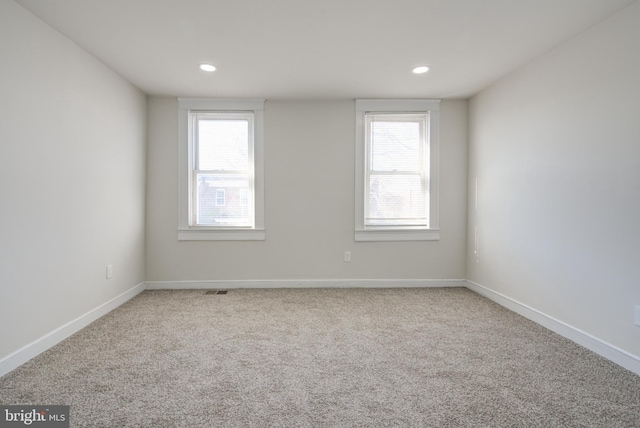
<point>246,172</point>
<point>383,172</point>
<point>395,218</point>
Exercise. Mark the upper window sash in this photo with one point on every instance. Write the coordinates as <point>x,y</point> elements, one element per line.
<point>195,131</point>
<point>421,119</point>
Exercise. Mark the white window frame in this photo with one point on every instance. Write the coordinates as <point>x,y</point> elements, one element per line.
<point>431,232</point>
<point>186,153</point>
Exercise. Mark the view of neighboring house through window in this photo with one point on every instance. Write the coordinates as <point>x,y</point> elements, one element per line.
<point>220,199</point>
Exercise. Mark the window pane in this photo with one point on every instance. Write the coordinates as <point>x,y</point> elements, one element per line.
<point>222,200</point>
<point>223,144</point>
<point>396,200</point>
<point>395,146</point>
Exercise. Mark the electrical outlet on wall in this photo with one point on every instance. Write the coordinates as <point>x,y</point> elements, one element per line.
<point>109,271</point>
<point>637,322</point>
<point>347,256</point>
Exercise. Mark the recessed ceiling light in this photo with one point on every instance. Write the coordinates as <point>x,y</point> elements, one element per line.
<point>420,69</point>
<point>207,67</point>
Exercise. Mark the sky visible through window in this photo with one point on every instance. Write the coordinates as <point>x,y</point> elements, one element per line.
<point>223,144</point>
<point>395,146</point>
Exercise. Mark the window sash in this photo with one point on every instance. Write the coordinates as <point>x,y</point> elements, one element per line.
<point>386,206</point>
<point>218,218</point>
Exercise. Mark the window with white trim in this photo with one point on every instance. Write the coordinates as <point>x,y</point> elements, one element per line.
<point>397,170</point>
<point>221,169</point>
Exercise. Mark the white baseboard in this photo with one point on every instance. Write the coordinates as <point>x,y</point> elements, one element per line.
<point>306,283</point>
<point>611,352</point>
<point>619,356</point>
<point>27,352</point>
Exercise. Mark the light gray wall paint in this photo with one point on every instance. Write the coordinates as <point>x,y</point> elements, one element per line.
<point>72,180</point>
<point>309,203</point>
<point>555,148</point>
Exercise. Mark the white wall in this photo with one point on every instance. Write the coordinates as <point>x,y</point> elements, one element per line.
<point>309,214</point>
<point>72,180</point>
<point>555,148</point>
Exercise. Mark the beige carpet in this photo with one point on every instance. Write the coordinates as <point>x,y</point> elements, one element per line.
<point>324,358</point>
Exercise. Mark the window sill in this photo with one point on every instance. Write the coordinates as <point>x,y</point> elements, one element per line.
<point>371,235</point>
<point>222,235</point>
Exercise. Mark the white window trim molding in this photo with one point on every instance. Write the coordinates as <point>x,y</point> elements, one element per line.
<point>199,233</point>
<point>431,233</point>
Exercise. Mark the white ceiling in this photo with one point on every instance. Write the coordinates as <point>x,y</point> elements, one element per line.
<point>319,49</point>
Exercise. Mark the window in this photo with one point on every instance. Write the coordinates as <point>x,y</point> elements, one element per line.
<point>221,169</point>
<point>220,201</point>
<point>397,170</point>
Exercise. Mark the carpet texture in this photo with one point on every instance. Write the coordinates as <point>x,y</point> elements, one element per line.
<point>324,358</point>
